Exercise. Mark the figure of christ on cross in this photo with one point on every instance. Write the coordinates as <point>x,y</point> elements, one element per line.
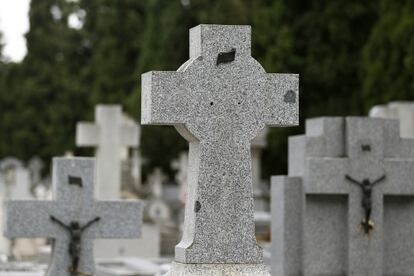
<point>366,186</point>
<point>73,218</point>
<point>75,231</point>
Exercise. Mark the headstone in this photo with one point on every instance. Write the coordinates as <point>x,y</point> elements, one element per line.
<point>15,183</point>
<point>4,243</point>
<point>109,135</point>
<point>158,210</point>
<point>180,165</point>
<point>219,100</point>
<point>35,166</point>
<point>347,206</point>
<point>73,219</point>
<point>20,188</point>
<point>136,168</point>
<point>403,111</point>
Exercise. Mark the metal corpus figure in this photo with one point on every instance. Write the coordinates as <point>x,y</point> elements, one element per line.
<point>366,186</point>
<point>75,231</point>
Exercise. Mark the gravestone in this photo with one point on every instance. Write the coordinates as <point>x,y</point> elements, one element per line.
<point>180,165</point>
<point>402,111</point>
<point>109,135</point>
<point>73,219</point>
<point>261,194</point>
<point>158,210</point>
<point>219,100</point>
<point>4,243</point>
<point>19,187</point>
<point>35,167</point>
<point>347,206</point>
<point>16,184</point>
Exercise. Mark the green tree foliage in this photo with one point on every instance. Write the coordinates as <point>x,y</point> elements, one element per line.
<point>44,98</point>
<point>350,55</point>
<point>388,57</point>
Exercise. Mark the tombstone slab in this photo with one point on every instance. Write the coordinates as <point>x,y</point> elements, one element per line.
<point>73,208</point>
<point>348,202</point>
<point>219,100</point>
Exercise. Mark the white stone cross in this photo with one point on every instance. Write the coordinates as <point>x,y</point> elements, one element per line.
<point>335,154</point>
<point>73,180</point>
<point>219,100</point>
<point>108,135</point>
<point>181,177</point>
<point>35,167</point>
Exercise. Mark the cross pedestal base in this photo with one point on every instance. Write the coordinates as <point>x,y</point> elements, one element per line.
<point>179,269</point>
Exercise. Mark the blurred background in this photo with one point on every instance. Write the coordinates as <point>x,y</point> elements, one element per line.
<point>350,55</point>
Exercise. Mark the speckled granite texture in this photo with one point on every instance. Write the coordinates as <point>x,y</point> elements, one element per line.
<point>330,240</point>
<point>219,107</point>
<point>31,218</point>
<point>178,269</point>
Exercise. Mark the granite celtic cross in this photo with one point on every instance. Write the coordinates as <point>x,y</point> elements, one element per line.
<point>219,100</point>
<point>73,219</point>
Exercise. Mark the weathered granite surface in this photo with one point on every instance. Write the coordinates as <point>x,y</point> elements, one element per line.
<point>328,237</point>
<point>219,100</point>
<point>73,180</point>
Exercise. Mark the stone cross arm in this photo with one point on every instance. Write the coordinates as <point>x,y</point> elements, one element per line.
<point>203,87</point>
<point>73,218</point>
<point>87,134</point>
<point>166,100</point>
<point>31,219</point>
<point>28,219</point>
<point>327,176</point>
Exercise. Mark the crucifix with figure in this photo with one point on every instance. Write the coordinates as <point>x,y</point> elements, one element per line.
<point>219,100</point>
<point>73,219</point>
<point>347,170</point>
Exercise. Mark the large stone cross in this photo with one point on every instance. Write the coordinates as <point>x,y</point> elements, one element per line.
<point>108,135</point>
<point>335,159</point>
<point>219,100</point>
<point>73,203</point>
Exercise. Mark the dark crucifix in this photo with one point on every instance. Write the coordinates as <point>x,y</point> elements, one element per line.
<point>75,231</point>
<point>366,186</point>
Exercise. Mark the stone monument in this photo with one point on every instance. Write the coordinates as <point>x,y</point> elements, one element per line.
<point>403,111</point>
<point>219,100</point>
<point>109,135</point>
<point>347,206</point>
<point>112,134</point>
<point>73,219</point>
<point>180,165</point>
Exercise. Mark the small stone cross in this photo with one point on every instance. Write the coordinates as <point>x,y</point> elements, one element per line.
<point>108,135</point>
<point>73,208</point>
<point>219,100</point>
